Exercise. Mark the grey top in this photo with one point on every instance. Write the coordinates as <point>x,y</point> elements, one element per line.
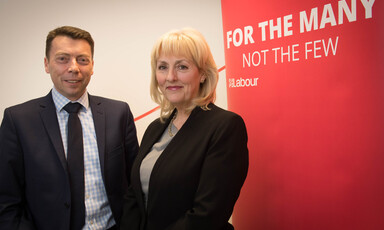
<point>151,158</point>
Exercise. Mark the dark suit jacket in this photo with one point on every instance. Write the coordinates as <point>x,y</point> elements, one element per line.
<point>34,186</point>
<point>196,180</point>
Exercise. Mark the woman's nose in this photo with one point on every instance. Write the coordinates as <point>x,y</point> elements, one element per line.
<point>171,75</point>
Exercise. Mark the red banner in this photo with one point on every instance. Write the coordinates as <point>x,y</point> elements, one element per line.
<point>308,79</point>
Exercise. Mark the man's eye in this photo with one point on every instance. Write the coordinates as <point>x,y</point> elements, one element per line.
<point>83,61</point>
<point>61,59</point>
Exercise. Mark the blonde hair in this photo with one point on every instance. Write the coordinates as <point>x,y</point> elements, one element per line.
<point>188,43</point>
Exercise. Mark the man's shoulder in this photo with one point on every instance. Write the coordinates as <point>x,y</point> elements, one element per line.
<point>100,99</point>
<point>28,111</point>
<point>109,105</point>
<point>30,104</point>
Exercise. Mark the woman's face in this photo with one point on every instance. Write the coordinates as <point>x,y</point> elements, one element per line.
<point>178,79</point>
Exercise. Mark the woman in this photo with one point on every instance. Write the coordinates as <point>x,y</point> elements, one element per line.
<point>193,160</point>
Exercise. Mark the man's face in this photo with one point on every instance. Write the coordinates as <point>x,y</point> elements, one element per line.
<point>70,65</point>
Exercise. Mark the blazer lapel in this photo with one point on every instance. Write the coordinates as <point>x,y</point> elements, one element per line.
<point>177,141</point>
<point>51,125</point>
<point>154,137</point>
<point>99,122</point>
<point>151,136</point>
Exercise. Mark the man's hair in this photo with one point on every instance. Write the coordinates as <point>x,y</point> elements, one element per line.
<point>69,31</point>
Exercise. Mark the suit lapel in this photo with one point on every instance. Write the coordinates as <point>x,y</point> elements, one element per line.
<point>51,125</point>
<point>98,114</point>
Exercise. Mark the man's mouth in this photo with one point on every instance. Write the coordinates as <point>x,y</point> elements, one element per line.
<point>72,81</point>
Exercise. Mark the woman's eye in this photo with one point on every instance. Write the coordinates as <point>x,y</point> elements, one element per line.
<point>161,67</point>
<point>182,67</point>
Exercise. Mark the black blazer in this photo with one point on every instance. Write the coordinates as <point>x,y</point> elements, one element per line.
<point>196,180</point>
<point>34,186</point>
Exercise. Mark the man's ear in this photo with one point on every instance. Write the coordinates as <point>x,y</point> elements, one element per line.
<point>46,64</point>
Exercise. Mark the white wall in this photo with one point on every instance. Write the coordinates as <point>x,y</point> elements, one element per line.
<point>124,32</point>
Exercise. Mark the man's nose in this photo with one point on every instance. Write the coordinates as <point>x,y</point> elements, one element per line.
<point>73,66</point>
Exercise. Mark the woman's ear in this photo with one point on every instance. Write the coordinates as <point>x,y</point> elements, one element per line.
<point>202,78</point>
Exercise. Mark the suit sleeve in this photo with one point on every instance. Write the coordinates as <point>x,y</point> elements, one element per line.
<point>131,142</point>
<point>13,211</point>
<point>131,213</point>
<point>222,176</point>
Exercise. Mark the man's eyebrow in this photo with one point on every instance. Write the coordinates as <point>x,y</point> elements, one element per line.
<point>61,53</point>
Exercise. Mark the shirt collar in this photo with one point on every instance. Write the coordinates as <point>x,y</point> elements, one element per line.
<point>60,100</point>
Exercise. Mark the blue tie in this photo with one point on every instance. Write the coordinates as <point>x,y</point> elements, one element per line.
<point>75,160</point>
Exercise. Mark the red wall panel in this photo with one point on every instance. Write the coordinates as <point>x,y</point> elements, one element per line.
<point>313,103</point>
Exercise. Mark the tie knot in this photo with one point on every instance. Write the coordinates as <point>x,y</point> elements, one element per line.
<point>72,107</point>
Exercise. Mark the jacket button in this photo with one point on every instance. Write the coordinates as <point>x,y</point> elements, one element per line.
<point>67,205</point>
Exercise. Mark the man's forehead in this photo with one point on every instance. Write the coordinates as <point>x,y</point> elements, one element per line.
<point>66,44</point>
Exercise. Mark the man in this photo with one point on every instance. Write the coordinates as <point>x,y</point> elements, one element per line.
<point>36,179</point>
